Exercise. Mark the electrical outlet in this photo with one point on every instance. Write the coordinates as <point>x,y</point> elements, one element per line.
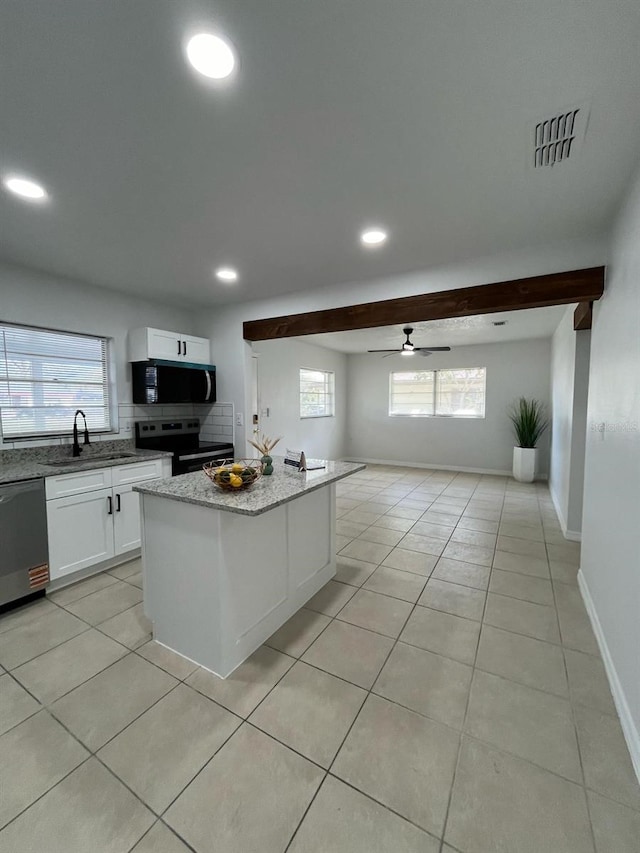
<point>239,419</point>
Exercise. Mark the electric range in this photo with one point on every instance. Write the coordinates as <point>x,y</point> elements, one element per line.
<point>181,437</point>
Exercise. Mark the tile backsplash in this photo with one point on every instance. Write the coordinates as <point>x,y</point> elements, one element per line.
<point>216,424</point>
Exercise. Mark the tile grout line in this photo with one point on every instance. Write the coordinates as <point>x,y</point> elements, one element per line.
<point>332,618</point>
<point>573,715</point>
<point>369,693</point>
<point>468,700</point>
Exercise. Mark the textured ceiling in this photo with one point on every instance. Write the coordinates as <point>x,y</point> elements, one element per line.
<point>412,113</point>
<point>453,332</point>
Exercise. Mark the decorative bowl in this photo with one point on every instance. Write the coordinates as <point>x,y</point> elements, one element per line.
<point>233,475</point>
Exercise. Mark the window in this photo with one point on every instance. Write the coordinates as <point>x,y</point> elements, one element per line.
<point>457,393</point>
<point>317,393</point>
<point>45,376</point>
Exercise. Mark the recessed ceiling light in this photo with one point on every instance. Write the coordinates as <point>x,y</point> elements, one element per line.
<point>227,274</point>
<point>211,55</point>
<point>373,237</point>
<point>25,188</point>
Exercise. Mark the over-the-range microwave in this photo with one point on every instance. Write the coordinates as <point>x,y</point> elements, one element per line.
<point>160,382</point>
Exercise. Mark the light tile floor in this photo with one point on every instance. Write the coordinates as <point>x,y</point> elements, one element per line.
<point>444,693</point>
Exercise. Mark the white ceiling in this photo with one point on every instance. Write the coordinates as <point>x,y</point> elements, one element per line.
<point>412,114</point>
<point>452,332</point>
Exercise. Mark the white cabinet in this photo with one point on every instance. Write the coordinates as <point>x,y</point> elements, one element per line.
<point>149,343</point>
<point>95,515</point>
<point>126,520</point>
<point>197,350</point>
<point>80,531</point>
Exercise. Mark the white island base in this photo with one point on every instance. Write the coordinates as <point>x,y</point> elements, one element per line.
<point>217,584</point>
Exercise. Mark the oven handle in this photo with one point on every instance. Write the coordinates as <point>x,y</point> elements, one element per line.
<point>206,455</point>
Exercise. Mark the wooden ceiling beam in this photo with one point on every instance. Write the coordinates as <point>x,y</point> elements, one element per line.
<point>583,316</point>
<point>536,292</point>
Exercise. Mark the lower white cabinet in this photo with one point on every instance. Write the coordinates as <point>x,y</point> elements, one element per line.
<point>126,519</point>
<point>80,532</point>
<point>89,527</point>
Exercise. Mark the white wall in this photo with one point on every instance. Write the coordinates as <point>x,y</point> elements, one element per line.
<point>569,386</point>
<point>515,369</point>
<point>610,568</point>
<point>232,355</point>
<point>279,363</point>
<point>36,299</point>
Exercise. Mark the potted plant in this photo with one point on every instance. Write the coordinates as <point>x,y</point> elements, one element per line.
<point>529,422</point>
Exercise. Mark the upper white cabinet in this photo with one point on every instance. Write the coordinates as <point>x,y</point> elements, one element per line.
<point>196,349</point>
<point>149,343</point>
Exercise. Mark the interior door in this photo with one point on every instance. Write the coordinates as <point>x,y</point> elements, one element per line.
<point>255,403</point>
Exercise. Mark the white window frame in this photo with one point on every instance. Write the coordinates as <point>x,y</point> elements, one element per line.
<point>107,384</point>
<point>434,413</point>
<point>330,395</point>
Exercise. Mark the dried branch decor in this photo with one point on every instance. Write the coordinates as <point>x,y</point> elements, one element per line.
<point>265,444</point>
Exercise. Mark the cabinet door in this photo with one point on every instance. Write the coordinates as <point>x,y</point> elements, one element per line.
<point>167,345</point>
<point>80,531</point>
<point>126,519</point>
<point>198,350</point>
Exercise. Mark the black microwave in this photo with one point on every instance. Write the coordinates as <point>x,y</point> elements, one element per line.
<point>158,382</point>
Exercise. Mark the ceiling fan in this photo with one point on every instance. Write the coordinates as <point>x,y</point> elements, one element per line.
<point>408,348</point>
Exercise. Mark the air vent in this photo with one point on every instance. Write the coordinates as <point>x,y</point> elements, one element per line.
<point>557,138</point>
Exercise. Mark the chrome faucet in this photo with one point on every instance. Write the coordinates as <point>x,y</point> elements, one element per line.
<point>77,450</point>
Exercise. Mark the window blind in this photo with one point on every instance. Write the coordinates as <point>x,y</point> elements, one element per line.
<point>456,393</point>
<point>45,376</point>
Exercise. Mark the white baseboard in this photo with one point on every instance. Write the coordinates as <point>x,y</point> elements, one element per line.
<point>430,467</point>
<point>630,731</point>
<point>573,535</point>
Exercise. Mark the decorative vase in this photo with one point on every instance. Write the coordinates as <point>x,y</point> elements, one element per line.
<point>267,466</point>
<point>524,464</point>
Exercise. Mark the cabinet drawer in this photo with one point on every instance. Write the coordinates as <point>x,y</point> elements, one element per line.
<point>135,473</point>
<point>77,483</point>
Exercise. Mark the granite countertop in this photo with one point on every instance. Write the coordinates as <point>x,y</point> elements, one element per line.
<point>267,493</point>
<point>33,466</point>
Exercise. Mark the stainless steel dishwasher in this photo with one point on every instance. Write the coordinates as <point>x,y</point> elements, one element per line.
<point>24,553</point>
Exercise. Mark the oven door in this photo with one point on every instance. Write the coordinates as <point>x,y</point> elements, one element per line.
<point>185,463</point>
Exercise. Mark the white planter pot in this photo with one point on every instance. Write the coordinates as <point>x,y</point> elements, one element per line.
<point>525,461</point>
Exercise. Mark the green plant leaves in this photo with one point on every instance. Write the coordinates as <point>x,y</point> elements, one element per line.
<point>529,421</point>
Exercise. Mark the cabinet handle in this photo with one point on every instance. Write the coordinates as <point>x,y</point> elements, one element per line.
<point>184,347</point>
<point>179,347</point>
<point>117,503</point>
<point>110,505</point>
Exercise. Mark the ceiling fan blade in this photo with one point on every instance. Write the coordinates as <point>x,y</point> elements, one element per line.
<point>384,350</point>
<point>390,353</point>
<point>432,349</point>
<point>423,352</point>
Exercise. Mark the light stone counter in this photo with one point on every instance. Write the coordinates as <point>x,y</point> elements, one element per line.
<point>283,485</point>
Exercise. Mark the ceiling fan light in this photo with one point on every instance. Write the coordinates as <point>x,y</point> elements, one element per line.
<point>407,352</point>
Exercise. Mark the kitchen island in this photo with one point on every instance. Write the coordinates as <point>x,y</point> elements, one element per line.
<point>223,570</point>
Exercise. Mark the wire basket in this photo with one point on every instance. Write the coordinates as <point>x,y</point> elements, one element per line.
<point>233,475</point>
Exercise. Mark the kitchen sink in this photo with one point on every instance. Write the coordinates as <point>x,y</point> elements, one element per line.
<point>78,460</point>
